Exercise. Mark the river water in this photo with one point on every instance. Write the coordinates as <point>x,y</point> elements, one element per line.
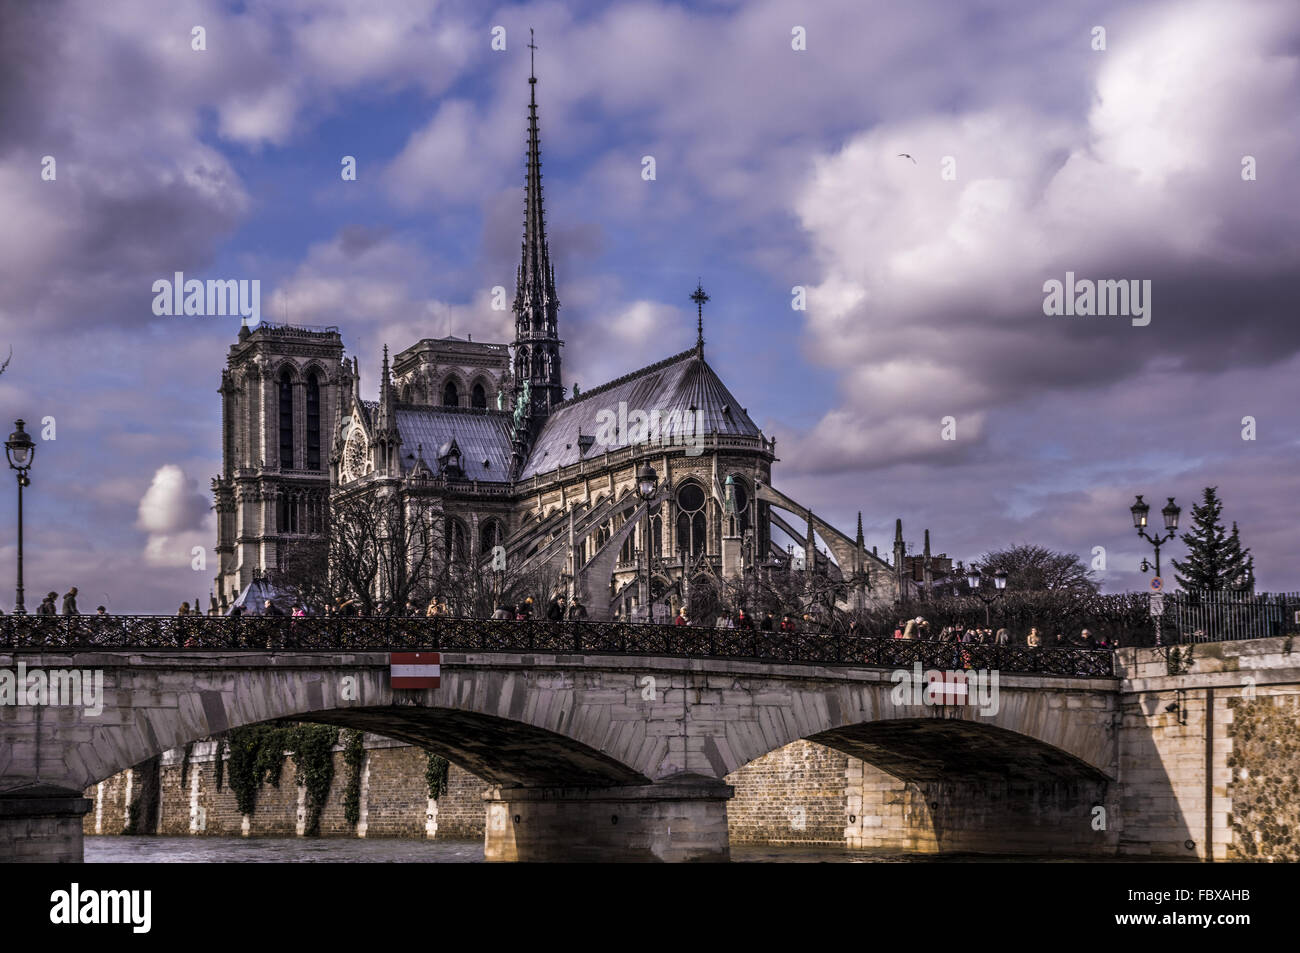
<point>244,850</point>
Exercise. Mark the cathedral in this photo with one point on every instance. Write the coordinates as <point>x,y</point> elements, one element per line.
<point>624,496</point>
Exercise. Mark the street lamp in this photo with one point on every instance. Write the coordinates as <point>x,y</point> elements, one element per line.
<point>973,578</point>
<point>647,482</point>
<point>1170,512</point>
<point>20,450</point>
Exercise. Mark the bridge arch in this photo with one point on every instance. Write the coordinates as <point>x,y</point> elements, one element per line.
<point>508,730</point>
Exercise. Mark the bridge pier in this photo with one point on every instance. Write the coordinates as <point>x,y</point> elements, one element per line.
<point>42,824</point>
<point>672,821</point>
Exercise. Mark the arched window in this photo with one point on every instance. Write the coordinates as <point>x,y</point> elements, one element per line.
<point>490,536</point>
<point>741,496</point>
<point>450,395</point>
<point>691,536</point>
<point>286,420</point>
<point>313,421</point>
<point>478,397</point>
<point>457,547</point>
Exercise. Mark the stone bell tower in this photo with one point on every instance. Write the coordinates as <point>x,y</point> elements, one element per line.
<point>279,397</point>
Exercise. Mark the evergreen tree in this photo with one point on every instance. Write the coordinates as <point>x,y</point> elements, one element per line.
<point>1215,560</point>
<point>1241,564</point>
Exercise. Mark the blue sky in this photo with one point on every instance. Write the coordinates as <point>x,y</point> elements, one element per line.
<point>775,168</point>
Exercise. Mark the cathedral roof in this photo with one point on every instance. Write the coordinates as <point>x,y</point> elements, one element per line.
<point>480,434</point>
<point>681,383</point>
<point>483,437</point>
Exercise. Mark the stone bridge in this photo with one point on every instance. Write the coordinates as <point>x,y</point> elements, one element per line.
<point>591,756</point>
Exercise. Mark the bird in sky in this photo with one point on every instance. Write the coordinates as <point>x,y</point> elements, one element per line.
<point>7,359</point>
<point>904,155</point>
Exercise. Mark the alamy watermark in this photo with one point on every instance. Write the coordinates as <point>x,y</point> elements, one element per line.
<point>131,908</point>
<point>1106,298</point>
<point>623,427</point>
<point>58,687</point>
<point>974,687</point>
<point>179,296</point>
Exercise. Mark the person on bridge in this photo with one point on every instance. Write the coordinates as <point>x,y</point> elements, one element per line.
<point>500,613</point>
<point>743,621</point>
<point>555,609</point>
<point>577,611</point>
<point>70,602</point>
<point>47,605</point>
<point>768,623</point>
<point>1034,640</point>
<point>680,618</point>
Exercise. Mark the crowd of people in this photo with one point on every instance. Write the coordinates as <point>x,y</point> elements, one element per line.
<point>560,608</point>
<point>919,628</point>
<point>789,622</point>
<point>49,605</point>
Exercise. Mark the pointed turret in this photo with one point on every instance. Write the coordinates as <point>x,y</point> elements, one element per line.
<point>810,546</point>
<point>386,440</point>
<point>859,549</point>
<point>926,570</point>
<point>899,553</point>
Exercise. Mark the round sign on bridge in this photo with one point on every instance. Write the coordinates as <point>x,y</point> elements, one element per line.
<point>1157,583</point>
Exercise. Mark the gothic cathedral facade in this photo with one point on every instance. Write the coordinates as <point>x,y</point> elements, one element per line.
<point>523,476</point>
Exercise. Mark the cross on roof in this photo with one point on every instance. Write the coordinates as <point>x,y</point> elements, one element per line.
<point>699,297</point>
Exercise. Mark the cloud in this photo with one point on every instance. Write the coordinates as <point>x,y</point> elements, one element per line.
<point>172,503</point>
<point>930,299</point>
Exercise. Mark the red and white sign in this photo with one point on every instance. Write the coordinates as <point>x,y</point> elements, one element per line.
<point>947,688</point>
<point>414,669</point>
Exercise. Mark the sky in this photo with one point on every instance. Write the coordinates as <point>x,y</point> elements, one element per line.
<point>912,174</point>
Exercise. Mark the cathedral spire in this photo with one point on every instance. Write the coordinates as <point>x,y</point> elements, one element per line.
<point>536,307</point>
<point>537,277</point>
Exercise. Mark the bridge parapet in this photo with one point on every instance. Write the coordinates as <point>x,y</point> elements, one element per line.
<point>396,633</point>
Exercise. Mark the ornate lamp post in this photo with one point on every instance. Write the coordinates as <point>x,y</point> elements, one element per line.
<point>973,578</point>
<point>647,483</point>
<point>1170,512</point>
<point>21,451</point>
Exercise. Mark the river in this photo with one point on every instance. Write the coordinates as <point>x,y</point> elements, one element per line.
<point>244,850</point>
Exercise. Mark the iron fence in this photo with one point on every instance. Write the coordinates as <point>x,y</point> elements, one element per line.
<point>1227,616</point>
<point>387,633</point>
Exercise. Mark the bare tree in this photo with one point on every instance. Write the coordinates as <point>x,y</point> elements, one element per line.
<point>1032,568</point>
<point>380,546</point>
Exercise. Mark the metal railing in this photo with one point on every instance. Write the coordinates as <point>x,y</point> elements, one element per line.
<point>384,633</point>
<point>1228,616</point>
